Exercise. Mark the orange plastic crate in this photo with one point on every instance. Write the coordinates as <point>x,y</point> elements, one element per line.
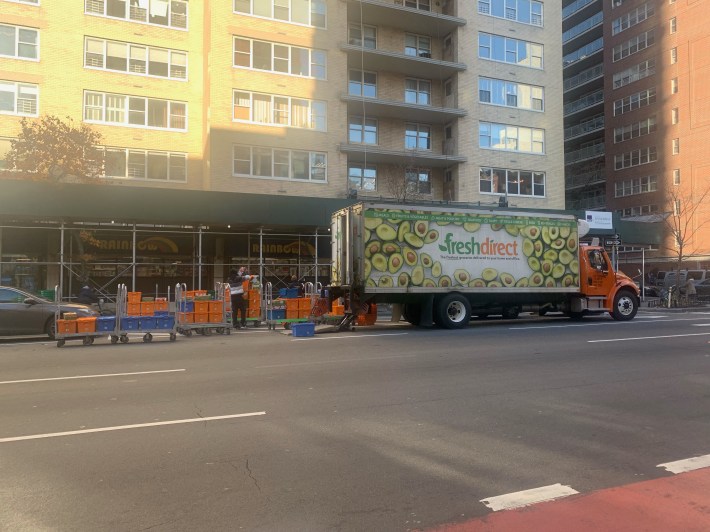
<point>291,314</point>
<point>215,317</point>
<point>202,307</point>
<point>133,309</point>
<point>304,303</point>
<point>134,297</point>
<point>304,313</point>
<point>253,313</point>
<point>147,308</point>
<point>202,317</point>
<point>66,326</point>
<point>339,310</point>
<point>161,305</point>
<point>292,304</point>
<point>186,317</point>
<point>86,325</point>
<point>214,306</point>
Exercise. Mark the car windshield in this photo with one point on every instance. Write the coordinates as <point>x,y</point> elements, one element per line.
<point>13,295</point>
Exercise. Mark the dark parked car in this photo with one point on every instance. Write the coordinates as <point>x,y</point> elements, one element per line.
<point>22,313</point>
<point>702,290</point>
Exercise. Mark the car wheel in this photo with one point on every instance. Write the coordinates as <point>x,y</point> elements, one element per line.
<point>50,328</point>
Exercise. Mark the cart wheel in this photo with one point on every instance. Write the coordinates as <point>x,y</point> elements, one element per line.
<point>124,339</point>
<point>91,340</point>
<point>114,339</point>
<point>147,338</point>
<point>173,337</point>
<point>207,331</point>
<point>60,343</point>
<point>87,340</point>
<point>227,330</point>
<point>287,326</point>
<point>220,330</point>
<point>188,332</point>
<point>257,324</point>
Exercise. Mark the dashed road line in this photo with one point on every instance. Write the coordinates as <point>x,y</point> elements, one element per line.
<point>646,338</point>
<point>519,499</point>
<point>126,427</point>
<point>332,361</point>
<point>689,464</point>
<point>93,376</point>
<point>340,337</point>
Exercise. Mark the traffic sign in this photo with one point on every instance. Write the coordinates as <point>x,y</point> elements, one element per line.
<point>615,242</point>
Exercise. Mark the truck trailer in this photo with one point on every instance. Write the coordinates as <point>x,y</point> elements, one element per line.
<point>445,264</point>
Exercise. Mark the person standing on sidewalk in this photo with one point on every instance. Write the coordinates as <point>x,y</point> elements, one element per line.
<point>236,291</point>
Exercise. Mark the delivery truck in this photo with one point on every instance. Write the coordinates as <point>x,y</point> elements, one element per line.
<point>444,264</point>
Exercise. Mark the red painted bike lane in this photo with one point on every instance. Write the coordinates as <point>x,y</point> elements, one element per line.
<point>673,504</point>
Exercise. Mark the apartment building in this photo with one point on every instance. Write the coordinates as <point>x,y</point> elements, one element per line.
<point>258,103</point>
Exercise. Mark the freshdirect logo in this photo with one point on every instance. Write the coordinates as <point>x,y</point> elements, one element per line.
<point>487,247</point>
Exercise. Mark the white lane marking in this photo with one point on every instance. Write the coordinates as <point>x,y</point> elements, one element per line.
<point>126,427</point>
<point>646,338</point>
<point>701,324</point>
<point>338,336</point>
<point>94,376</point>
<point>609,322</point>
<point>332,361</point>
<point>689,464</point>
<point>519,499</point>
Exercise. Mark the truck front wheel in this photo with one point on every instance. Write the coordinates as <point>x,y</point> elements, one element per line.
<point>453,311</point>
<point>625,306</point>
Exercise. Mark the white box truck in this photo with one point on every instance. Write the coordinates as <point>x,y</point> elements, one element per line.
<point>446,264</point>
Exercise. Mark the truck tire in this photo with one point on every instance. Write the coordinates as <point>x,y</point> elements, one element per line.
<point>625,306</point>
<point>452,311</point>
<point>511,313</point>
<point>412,313</point>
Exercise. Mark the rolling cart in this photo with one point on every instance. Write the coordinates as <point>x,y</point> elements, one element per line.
<point>276,313</point>
<point>203,317</point>
<point>83,329</point>
<point>148,324</point>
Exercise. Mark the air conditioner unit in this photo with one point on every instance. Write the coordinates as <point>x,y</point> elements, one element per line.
<point>425,54</point>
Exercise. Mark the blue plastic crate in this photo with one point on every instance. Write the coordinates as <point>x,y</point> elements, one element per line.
<point>276,314</point>
<point>161,313</point>
<point>147,322</point>
<point>288,293</point>
<point>165,322</point>
<point>303,329</point>
<point>130,323</point>
<point>105,323</point>
<point>186,306</point>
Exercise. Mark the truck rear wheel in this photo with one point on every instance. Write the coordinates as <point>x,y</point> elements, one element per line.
<point>412,313</point>
<point>452,311</point>
<point>625,306</point>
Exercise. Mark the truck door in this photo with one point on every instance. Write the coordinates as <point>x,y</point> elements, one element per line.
<point>597,274</point>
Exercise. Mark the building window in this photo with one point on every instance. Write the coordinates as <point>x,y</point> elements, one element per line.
<point>674,115</point>
<point>510,94</point>
<point>33,2</point>
<point>644,127</point>
<point>171,13</point>
<point>635,101</point>
<point>19,42</point>
<point>632,187</point>
<point>417,91</point>
<point>635,73</point>
<point>418,180</point>
<point>635,158</point>
<point>673,25</point>
<point>674,56</point>
<point>362,130</point>
<point>19,98</point>
<point>362,177</point>
<point>129,163</point>
<point>362,83</point>
<point>639,210</point>
<point>632,18</point>
<point>511,182</point>
<point>676,146</point>
<point>279,163</point>
<point>417,137</point>
<point>361,35</point>
<point>134,111</point>
<point>423,5</point>
<point>511,138</point>
<point>676,176</point>
<point>524,11</point>
<point>674,86</point>
<point>281,58</point>
<point>306,12</point>
<point>676,207</point>
<point>633,45</point>
<point>417,45</point>
<point>135,59</point>
<point>507,50</point>
<point>275,110</point>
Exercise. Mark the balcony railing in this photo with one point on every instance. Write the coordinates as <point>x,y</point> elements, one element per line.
<point>580,28</point>
<point>596,202</point>
<point>585,51</point>
<point>574,7</point>
<point>585,179</point>
<point>585,76</point>
<point>597,124</point>
<point>585,153</point>
<point>584,102</point>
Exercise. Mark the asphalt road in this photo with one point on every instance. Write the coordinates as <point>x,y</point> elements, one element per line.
<point>385,428</point>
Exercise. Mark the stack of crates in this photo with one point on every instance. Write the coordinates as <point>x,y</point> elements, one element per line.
<point>254,300</point>
<point>296,307</point>
<point>200,307</point>
<point>146,313</point>
<point>70,324</point>
<point>277,310</point>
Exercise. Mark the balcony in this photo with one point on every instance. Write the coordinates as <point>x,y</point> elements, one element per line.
<point>400,63</point>
<point>585,128</point>
<point>584,52</point>
<point>585,76</point>
<point>595,203</point>
<point>592,22</point>
<point>373,154</point>
<point>585,102</point>
<point>585,180</point>
<point>590,152</point>
<point>576,7</point>
<point>395,15</point>
<point>401,110</point>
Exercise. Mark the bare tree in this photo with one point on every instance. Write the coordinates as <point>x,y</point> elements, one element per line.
<point>683,222</point>
<point>49,149</point>
<point>397,181</point>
